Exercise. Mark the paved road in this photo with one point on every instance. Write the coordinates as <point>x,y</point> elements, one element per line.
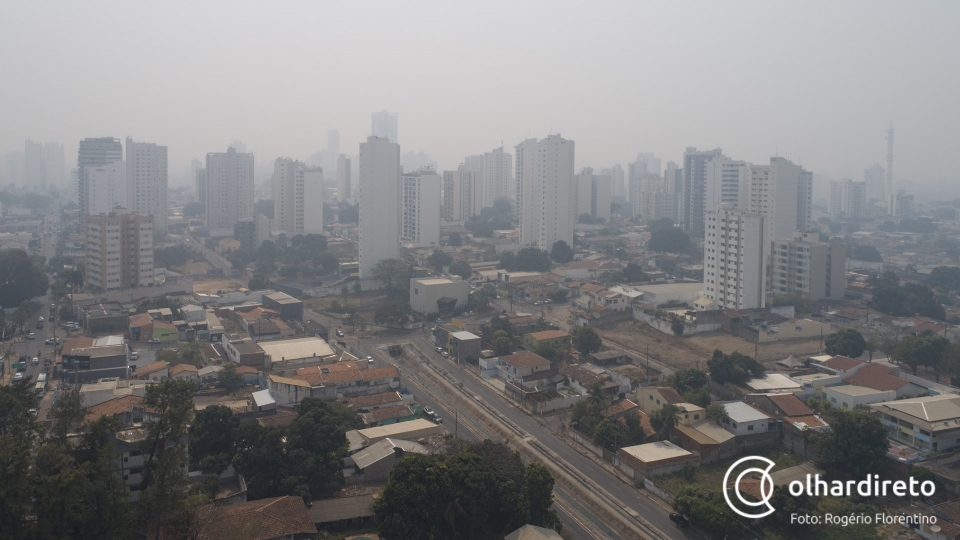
<point>650,510</point>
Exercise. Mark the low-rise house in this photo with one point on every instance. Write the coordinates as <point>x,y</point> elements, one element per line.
<point>185,372</point>
<point>243,350</point>
<point>882,377</point>
<point>743,419</point>
<point>651,398</point>
<point>462,345</point>
<point>372,402</point>
<point>373,463</point>
<point>388,415</point>
<point>532,532</point>
<point>128,410</point>
<point>289,308</point>
<point>331,382</point>
<point>553,338</point>
<point>164,331</point>
<point>851,397</point>
<point>930,423</point>
<point>276,518</point>
<point>297,351</point>
<point>706,438</point>
<point>849,316</point>
<point>772,383</point>
<point>92,363</point>
<point>341,512</point>
<point>192,313</point>
<point>140,327</point>
<point>157,371</point>
<point>92,394</point>
<point>841,365</point>
<point>521,364</point>
<point>405,431</point>
<point>209,374</point>
<point>582,380</point>
<point>653,459</point>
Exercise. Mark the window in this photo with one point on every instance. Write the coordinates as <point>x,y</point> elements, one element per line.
<point>749,428</point>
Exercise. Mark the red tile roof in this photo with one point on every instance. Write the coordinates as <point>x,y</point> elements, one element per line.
<point>389,413</point>
<point>257,520</point>
<point>151,368</point>
<point>140,319</point>
<point>112,407</point>
<point>375,374</point>
<point>78,342</point>
<point>525,359</point>
<point>180,368</point>
<point>790,405</point>
<point>372,400</point>
<point>548,334</point>
<point>877,377</point>
<point>842,363</point>
<point>669,394</point>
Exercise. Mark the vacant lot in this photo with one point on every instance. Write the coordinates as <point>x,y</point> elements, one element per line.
<point>689,350</point>
<point>200,267</point>
<point>211,286</point>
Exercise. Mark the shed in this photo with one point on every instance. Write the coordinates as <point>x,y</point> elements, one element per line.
<point>263,401</point>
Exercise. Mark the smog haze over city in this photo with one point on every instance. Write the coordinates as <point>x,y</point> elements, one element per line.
<point>818,83</point>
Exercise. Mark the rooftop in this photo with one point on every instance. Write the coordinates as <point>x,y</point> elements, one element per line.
<point>772,382</point>
<point>283,298</point>
<point>180,368</point>
<point>525,359</point>
<point>852,390</point>
<point>739,411</point>
<point>842,363</point>
<point>532,532</point>
<point>342,509</point>
<point>151,368</point>
<point>941,412</point>
<point>414,428</point>
<point>262,519</point>
<point>790,404</point>
<point>876,376</point>
<point>388,413</point>
<point>549,334</point>
<point>464,336</point>
<point>372,400</point>
<point>307,347</point>
<point>655,451</point>
<point>100,352</point>
<point>385,448</point>
<point>263,398</point>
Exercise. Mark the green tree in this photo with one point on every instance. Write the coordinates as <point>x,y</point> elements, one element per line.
<point>454,239</point>
<point>507,261</point>
<point>635,432</point>
<point>462,269</point>
<point>192,353</point>
<point>481,298</point>
<point>394,275</point>
<point>259,282</point>
<point>540,494</point>
<point>610,434</point>
<point>945,278</point>
<point>501,343</point>
<point>735,368</point>
<point>349,213</point>
<point>558,296</point>
<point>867,253</point>
<point>211,448</point>
<point>672,240</point>
<point>717,412</point>
<point>660,224</point>
<point>561,252</point>
<point>393,311</point>
<point>502,207</point>
<point>438,259</point>
<point>68,413</point>
<point>531,259</point>
<point>632,273</point>
<point>18,431</point>
<point>193,209</point>
<point>664,420</point>
<point>855,446</point>
<point>847,342</point>
<point>229,377</point>
<point>586,340</point>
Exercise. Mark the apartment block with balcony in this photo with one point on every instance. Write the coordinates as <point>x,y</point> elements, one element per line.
<point>805,266</point>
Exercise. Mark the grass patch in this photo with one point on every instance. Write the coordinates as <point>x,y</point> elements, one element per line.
<point>711,476</point>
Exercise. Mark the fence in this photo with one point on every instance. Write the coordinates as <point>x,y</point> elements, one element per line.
<point>657,490</point>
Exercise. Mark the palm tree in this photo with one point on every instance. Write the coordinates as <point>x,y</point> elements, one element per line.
<point>74,278</point>
<point>595,395</point>
<point>665,419</point>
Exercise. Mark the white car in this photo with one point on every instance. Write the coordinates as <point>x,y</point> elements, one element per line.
<point>31,335</point>
<point>34,361</point>
<point>17,377</point>
<point>39,319</point>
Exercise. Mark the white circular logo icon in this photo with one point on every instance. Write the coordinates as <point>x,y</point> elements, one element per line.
<point>766,488</point>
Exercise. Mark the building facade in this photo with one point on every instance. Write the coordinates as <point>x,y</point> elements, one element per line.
<point>807,267</point>
<point>94,151</point>
<point>297,197</point>
<point>106,187</point>
<point>735,259</point>
<point>848,199</point>
<point>147,182</point>
<point>545,191</point>
<point>420,208</point>
<point>119,249</point>
<point>593,195</point>
<point>693,204</point>
<point>458,195</point>
<point>384,125</point>
<point>343,178</point>
<point>229,190</point>
<point>379,198</point>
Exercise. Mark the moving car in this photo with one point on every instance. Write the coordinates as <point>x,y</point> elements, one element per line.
<point>49,341</point>
<point>31,335</point>
<point>680,519</point>
<point>40,319</point>
<point>18,376</point>
<point>34,361</point>
<point>429,412</point>
<point>134,355</point>
<point>444,354</point>
<point>154,340</point>
<point>339,333</point>
<point>369,359</point>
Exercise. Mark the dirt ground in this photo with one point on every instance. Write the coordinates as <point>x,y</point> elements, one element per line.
<point>196,267</point>
<point>691,350</point>
<point>211,286</point>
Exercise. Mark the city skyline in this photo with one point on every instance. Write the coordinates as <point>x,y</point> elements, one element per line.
<point>828,116</point>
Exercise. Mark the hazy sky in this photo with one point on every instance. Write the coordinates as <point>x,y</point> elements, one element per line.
<point>816,81</point>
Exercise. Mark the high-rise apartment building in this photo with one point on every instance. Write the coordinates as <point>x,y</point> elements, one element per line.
<point>384,125</point>
<point>497,175</point>
<point>900,204</point>
<point>420,208</point>
<point>34,166</point>
<point>725,182</point>
<point>201,181</point>
<point>618,188</point>
<point>693,204</point>
<point>545,191</point>
<point>229,190</point>
<point>379,202</point>
<point>297,197</point>
<point>876,179</point>
<point>673,184</point>
<point>735,251</point>
<point>848,199</point>
<point>805,266</point>
<point>147,182</point>
<point>106,188</point>
<point>343,178</point>
<point>94,151</point>
<point>53,163</point>
<point>333,153</point>
<point>13,168</point>
<point>592,195</point>
<point>119,251</point>
<point>782,192</point>
<point>458,195</point>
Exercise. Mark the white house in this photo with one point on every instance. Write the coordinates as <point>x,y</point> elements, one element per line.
<point>744,419</point>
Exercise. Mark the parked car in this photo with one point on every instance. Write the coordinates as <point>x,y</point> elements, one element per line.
<point>439,349</point>
<point>154,340</point>
<point>39,325</point>
<point>438,420</point>
<point>369,359</point>
<point>49,341</point>
<point>40,319</point>
<point>439,320</point>
<point>680,519</point>
<point>34,361</point>
<point>31,335</point>
<point>134,355</point>
<point>339,333</point>
<point>429,412</point>
<point>18,376</point>
<point>445,354</point>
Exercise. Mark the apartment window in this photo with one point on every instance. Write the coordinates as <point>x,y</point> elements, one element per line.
<point>749,428</point>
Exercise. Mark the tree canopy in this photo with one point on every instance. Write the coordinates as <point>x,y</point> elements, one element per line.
<point>632,273</point>
<point>438,259</point>
<point>477,491</point>
<point>586,339</point>
<point>20,278</point>
<point>507,261</point>
<point>846,342</point>
<point>855,446</point>
<point>672,240</point>
<point>907,300</point>
<point>691,383</point>
<point>259,282</point>
<point>532,259</point>
<point>735,367</point>
<point>394,274</point>
<point>867,253</point>
<point>561,252</point>
<point>454,239</point>
<point>945,278</point>
<point>461,268</point>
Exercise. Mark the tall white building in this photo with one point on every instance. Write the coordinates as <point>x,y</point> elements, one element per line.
<point>147,182</point>
<point>545,191</point>
<point>119,251</point>
<point>497,175</point>
<point>94,151</point>
<point>592,195</point>
<point>782,192</point>
<point>876,179</point>
<point>618,187</point>
<point>343,178</point>
<point>297,197</point>
<point>458,195</point>
<point>201,182</point>
<point>725,182</point>
<point>735,251</point>
<point>13,168</point>
<point>693,203</point>
<point>229,190</point>
<point>384,125</point>
<point>106,188</point>
<point>379,203</point>
<point>900,204</point>
<point>420,208</point>
<point>333,153</point>
<point>34,167</point>
<point>848,199</point>
<point>54,163</point>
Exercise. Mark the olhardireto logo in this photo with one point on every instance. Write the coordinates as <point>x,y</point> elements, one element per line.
<point>815,486</point>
